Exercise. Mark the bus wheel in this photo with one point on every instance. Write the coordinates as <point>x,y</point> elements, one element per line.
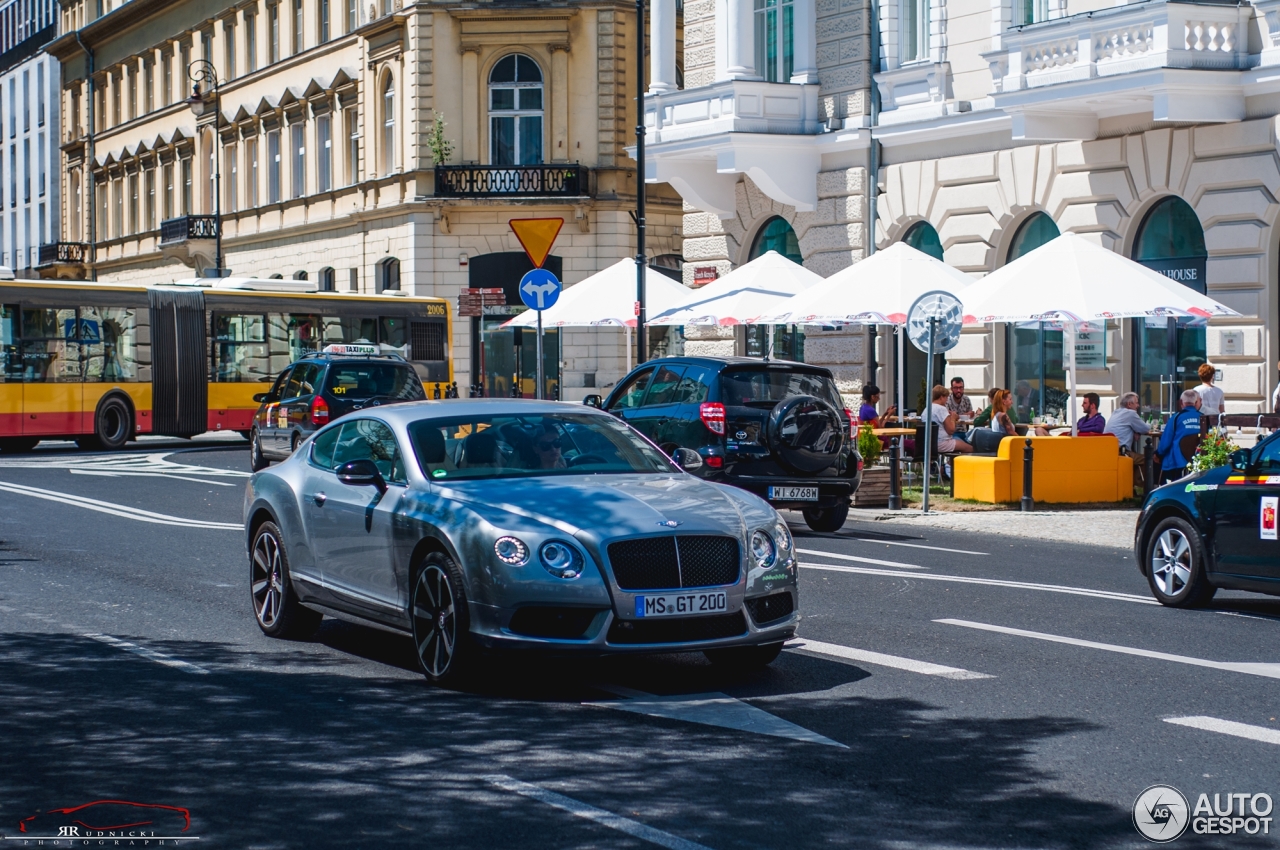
<point>13,445</point>
<point>112,425</point>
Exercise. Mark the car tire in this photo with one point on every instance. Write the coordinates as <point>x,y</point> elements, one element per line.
<point>275,604</point>
<point>112,426</point>
<point>17,445</point>
<point>1175,565</point>
<point>257,460</point>
<point>744,658</point>
<point>294,443</point>
<point>826,519</point>
<point>441,621</point>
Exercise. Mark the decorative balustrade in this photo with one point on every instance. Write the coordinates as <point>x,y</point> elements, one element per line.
<point>511,181</point>
<point>188,227</point>
<point>63,253</point>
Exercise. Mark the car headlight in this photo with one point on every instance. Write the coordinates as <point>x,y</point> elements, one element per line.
<point>512,551</point>
<point>763,551</point>
<point>783,538</point>
<point>561,559</point>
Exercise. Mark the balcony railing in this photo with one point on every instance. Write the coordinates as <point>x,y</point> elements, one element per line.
<point>732,106</point>
<point>63,252</point>
<point>188,227</point>
<point>510,181</point>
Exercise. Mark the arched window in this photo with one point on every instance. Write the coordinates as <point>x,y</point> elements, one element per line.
<point>389,275</point>
<point>515,111</point>
<point>276,276</point>
<point>777,235</point>
<point>300,274</point>
<point>389,125</point>
<point>923,237</point>
<point>1170,241</point>
<point>1034,232</point>
<point>328,280</point>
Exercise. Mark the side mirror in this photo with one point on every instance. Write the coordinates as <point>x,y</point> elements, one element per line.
<point>687,459</point>
<point>261,397</point>
<point>1239,459</point>
<point>594,400</point>
<point>361,473</point>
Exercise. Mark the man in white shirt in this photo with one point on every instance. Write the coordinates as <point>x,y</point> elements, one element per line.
<point>945,421</point>
<point>1211,398</point>
<point>1126,424</point>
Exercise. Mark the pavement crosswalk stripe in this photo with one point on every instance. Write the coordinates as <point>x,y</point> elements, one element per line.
<point>601,816</point>
<point>1020,585</point>
<point>1229,727</point>
<point>859,559</point>
<point>879,658</point>
<point>114,509</point>
<point>149,654</point>
<point>710,709</point>
<point>1271,671</point>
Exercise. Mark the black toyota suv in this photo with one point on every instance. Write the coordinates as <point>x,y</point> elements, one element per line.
<point>318,389</point>
<point>775,428</point>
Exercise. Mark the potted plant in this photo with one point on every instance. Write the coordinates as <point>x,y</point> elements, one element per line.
<point>874,489</point>
<point>1214,451</point>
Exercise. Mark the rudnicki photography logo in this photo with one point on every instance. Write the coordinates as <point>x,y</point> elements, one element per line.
<point>121,823</point>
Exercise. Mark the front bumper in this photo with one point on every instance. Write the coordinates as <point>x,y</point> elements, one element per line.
<point>832,492</point>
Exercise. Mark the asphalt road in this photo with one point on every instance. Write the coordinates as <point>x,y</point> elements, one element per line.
<point>955,690</point>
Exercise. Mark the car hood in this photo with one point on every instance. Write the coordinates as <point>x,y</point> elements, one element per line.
<point>600,506</point>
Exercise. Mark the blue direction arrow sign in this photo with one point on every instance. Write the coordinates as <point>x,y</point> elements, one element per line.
<point>539,289</point>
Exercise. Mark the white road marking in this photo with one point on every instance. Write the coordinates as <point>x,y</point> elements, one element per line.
<point>1271,671</point>
<point>711,709</point>
<point>114,509</point>
<point>1229,727</point>
<point>878,541</point>
<point>149,654</point>
<point>1020,585</point>
<point>601,816</point>
<point>880,659</point>
<point>859,559</point>
<point>122,464</point>
<point>102,473</point>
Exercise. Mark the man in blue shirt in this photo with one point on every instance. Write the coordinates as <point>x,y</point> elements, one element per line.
<point>1186,422</point>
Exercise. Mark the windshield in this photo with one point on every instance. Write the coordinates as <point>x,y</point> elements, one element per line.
<point>374,380</point>
<point>531,446</point>
<point>767,387</point>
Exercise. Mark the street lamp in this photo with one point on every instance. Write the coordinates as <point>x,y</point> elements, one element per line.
<point>203,72</point>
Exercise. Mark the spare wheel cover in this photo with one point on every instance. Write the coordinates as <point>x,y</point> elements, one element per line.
<point>806,433</point>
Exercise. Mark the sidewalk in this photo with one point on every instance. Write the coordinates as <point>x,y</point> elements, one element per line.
<point>1098,527</point>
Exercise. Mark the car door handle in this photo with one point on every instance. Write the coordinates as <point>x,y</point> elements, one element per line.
<point>319,499</point>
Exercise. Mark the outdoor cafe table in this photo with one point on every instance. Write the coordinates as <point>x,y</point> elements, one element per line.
<point>894,432</point>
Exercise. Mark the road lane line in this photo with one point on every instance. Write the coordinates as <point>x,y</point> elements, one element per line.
<point>103,473</point>
<point>149,654</point>
<point>946,549</point>
<point>1271,671</point>
<point>861,560</point>
<point>1229,727</point>
<point>114,509</point>
<point>879,658</point>
<point>605,818</point>
<point>1019,585</point>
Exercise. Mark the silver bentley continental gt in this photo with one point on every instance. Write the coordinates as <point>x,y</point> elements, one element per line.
<point>513,524</point>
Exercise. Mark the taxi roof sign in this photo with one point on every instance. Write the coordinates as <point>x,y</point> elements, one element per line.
<point>536,236</point>
<point>338,348</point>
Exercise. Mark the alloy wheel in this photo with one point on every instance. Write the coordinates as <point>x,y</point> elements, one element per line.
<point>267,580</point>
<point>434,620</point>
<point>1171,562</point>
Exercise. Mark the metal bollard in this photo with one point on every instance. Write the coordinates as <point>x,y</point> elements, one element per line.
<point>895,482</point>
<point>1148,468</point>
<point>435,391</point>
<point>1028,503</point>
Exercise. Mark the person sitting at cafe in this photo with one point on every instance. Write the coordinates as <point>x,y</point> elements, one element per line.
<point>1126,424</point>
<point>1002,418</point>
<point>1022,399</point>
<point>1211,398</point>
<point>1092,424</point>
<point>983,419</point>
<point>867,412</point>
<point>1173,465</point>
<point>957,402</point>
<point>946,421</point>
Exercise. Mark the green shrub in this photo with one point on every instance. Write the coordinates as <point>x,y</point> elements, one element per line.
<point>1215,450</point>
<point>869,445</point>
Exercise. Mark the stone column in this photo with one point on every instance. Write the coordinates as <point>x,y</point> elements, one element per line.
<point>560,103</point>
<point>470,103</point>
<point>805,42</point>
<point>662,47</point>
<point>735,40</point>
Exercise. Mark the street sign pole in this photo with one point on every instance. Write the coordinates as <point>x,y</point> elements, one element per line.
<point>538,391</point>
<point>642,353</point>
<point>933,326</point>
<point>928,420</point>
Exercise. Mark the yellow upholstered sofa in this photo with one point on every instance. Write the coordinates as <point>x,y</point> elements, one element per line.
<point>1064,470</point>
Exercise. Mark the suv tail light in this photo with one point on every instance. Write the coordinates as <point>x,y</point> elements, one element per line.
<point>712,414</point>
<point>319,411</point>
<point>853,423</point>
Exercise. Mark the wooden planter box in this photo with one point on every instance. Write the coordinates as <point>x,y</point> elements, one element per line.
<point>873,492</point>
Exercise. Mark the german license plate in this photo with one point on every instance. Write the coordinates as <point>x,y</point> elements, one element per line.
<point>682,604</point>
<point>793,494</point>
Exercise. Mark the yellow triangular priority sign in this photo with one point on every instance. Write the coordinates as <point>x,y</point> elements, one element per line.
<point>536,236</point>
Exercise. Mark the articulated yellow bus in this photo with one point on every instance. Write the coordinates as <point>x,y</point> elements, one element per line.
<point>101,363</point>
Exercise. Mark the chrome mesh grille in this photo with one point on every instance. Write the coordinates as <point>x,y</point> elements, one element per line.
<point>673,562</point>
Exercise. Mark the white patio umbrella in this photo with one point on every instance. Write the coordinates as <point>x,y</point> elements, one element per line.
<point>876,291</point>
<point>1073,282</point>
<point>742,296</point>
<point>607,297</point>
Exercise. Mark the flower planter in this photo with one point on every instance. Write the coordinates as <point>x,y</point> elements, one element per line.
<point>873,492</point>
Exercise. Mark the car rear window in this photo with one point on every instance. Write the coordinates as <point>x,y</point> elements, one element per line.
<point>767,387</point>
<point>374,380</point>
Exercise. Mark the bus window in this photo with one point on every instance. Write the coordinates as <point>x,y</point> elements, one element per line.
<point>240,348</point>
<point>350,329</point>
<point>50,347</point>
<point>109,341</point>
<point>395,335</point>
<point>12,370</point>
<point>304,335</point>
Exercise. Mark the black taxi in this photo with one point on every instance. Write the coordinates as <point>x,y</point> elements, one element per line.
<point>319,388</point>
<point>1214,529</point>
